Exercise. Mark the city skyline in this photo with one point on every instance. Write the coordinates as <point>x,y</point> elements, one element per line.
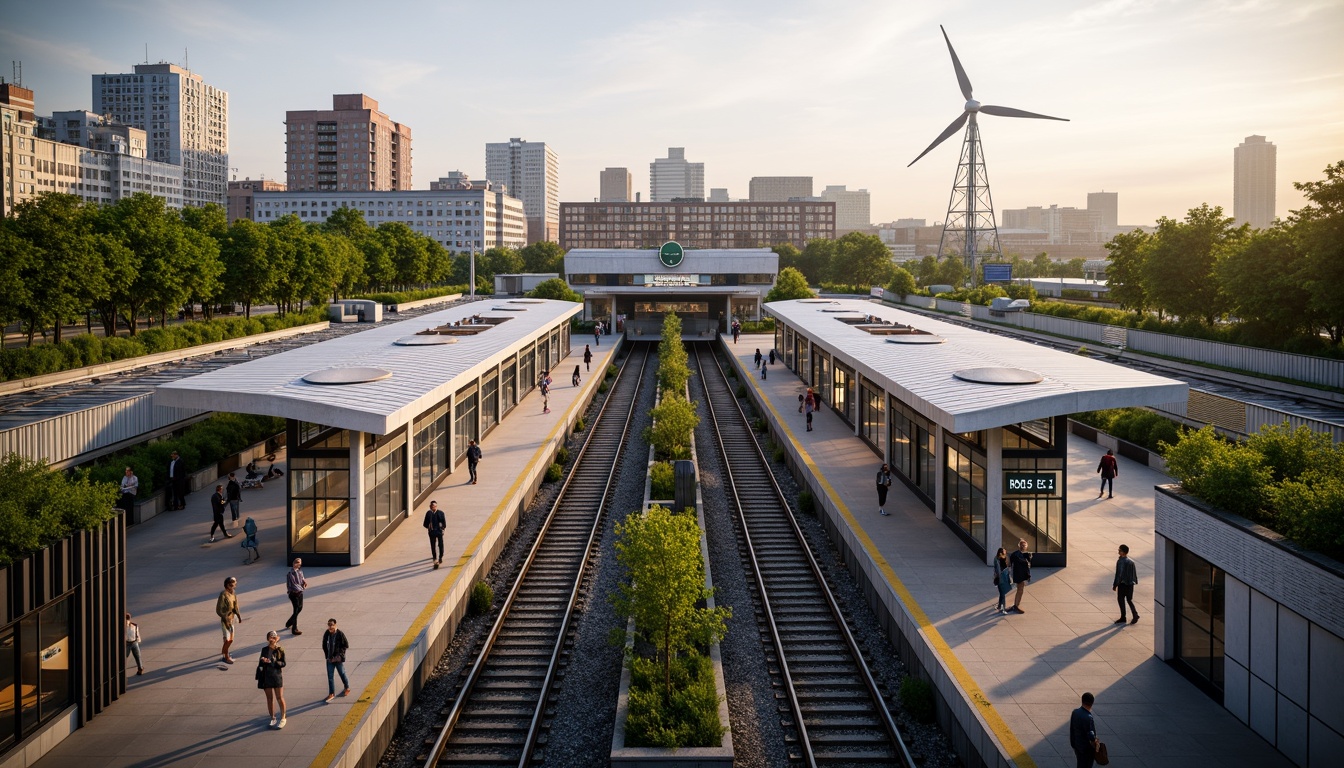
<point>1158,94</point>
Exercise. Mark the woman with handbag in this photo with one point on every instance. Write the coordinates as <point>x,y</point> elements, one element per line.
<point>270,679</point>
<point>334,646</point>
<point>1003,578</point>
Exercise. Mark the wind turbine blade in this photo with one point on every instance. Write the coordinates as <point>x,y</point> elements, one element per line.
<point>962,79</point>
<point>951,129</point>
<point>1010,112</point>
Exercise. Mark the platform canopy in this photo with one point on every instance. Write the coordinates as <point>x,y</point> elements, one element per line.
<point>420,375</point>
<point>924,376</point>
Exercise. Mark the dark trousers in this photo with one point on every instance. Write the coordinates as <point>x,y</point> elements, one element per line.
<point>471,467</point>
<point>436,539</point>
<point>1108,486</point>
<point>881,495</point>
<point>127,502</point>
<point>295,599</point>
<point>219,523</point>
<point>233,508</point>
<point>1125,594</point>
<point>1084,758</point>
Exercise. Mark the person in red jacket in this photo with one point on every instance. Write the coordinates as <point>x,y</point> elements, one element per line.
<point>1109,469</point>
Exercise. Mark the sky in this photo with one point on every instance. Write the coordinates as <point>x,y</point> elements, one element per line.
<point>1158,92</point>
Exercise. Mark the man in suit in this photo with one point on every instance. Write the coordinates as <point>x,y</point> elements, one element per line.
<point>177,482</point>
<point>1083,733</point>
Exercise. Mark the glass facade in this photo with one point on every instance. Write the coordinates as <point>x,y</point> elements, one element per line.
<point>466,412</point>
<point>384,485</point>
<point>431,448</point>
<point>489,401</point>
<point>319,489</point>
<point>911,451</point>
<point>1200,629</point>
<point>508,385</point>
<point>35,670</point>
<point>804,368</point>
<point>872,402</point>
<point>527,370</point>
<point>964,485</point>
<point>1036,450</point>
<point>842,393</point>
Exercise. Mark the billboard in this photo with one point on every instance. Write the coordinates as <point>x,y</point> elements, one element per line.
<point>998,273</point>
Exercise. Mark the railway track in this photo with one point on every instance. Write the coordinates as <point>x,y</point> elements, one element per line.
<point>498,715</point>
<point>836,711</point>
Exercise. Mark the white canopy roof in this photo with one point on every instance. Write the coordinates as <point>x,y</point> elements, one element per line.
<point>421,375</point>
<point>921,374</point>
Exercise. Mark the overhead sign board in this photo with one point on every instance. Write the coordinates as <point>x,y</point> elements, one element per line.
<point>998,273</point>
<point>1042,483</point>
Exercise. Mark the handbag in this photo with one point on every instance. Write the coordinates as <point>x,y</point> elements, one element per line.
<point>1101,757</point>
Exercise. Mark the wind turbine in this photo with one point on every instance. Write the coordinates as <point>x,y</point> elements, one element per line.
<point>970,211</point>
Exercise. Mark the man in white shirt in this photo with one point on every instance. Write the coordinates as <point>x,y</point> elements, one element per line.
<point>130,486</point>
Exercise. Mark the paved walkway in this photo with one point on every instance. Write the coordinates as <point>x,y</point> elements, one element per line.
<point>1032,668</point>
<point>189,709</point>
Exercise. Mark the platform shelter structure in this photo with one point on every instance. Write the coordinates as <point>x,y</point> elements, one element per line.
<point>973,423</point>
<point>378,419</point>
<point>631,289</point>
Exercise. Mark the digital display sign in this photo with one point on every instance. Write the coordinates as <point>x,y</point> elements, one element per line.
<point>998,273</point>
<point>1030,482</point>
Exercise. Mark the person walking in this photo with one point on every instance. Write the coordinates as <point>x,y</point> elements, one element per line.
<point>130,486</point>
<point>435,523</point>
<point>334,646</point>
<point>764,370</point>
<point>177,482</point>
<point>295,586</point>
<point>233,492</point>
<point>133,644</point>
<point>587,358</point>
<point>883,479</point>
<point>270,677</point>
<point>1021,563</point>
<point>758,357</point>
<point>809,406</point>
<point>1083,733</point>
<point>1003,578</point>
<point>250,541</point>
<point>1109,469</point>
<point>474,456</point>
<point>772,357</point>
<point>1126,576</point>
<point>737,330</point>
<point>574,380</point>
<point>545,384</point>
<point>230,615</point>
<point>217,505</point>
<point>597,333</point>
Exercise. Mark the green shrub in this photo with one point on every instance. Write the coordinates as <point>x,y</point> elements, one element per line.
<point>759,326</point>
<point>741,390</point>
<point>689,719</point>
<point>806,503</point>
<point>404,296</point>
<point>917,699</point>
<point>39,507</point>
<point>482,597</point>
<point>732,373</point>
<point>554,472</point>
<point>778,454</point>
<point>612,370</point>
<point>759,424</point>
<point>1227,475</point>
<point>578,424</point>
<point>199,445</point>
<point>603,387</point>
<point>674,422</point>
<point>662,476</point>
<point>562,456</point>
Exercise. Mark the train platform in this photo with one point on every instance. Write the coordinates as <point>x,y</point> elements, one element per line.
<point>1019,675</point>
<point>190,709</point>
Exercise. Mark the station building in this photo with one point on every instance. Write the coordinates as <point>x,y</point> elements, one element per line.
<point>975,424</point>
<point>376,420</point>
<point>706,288</point>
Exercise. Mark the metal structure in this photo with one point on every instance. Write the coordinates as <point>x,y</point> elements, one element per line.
<point>970,210</point>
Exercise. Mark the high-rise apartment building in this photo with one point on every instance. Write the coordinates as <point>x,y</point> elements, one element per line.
<point>615,186</point>
<point>185,119</point>
<point>1253,175</point>
<point>1107,206</point>
<point>779,189</point>
<point>242,195</point>
<point>853,208</point>
<point>531,171</point>
<point>694,225</point>
<point>672,178</point>
<point>350,147</point>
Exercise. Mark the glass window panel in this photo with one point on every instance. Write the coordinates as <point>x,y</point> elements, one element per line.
<point>29,673</point>
<point>9,688</point>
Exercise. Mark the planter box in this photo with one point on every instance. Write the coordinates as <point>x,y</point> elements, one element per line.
<point>1283,623</point>
<point>205,479</point>
<point>1129,450</point>
<point>687,757</point>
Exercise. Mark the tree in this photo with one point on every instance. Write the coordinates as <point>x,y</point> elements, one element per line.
<point>1072,268</point>
<point>210,219</point>
<point>1319,230</point>
<point>661,552</point>
<point>926,270</point>
<point>861,259</point>
<point>406,249</point>
<point>39,507</point>
<point>63,274</point>
<point>249,275</point>
<point>790,285</point>
<point>815,261</point>
<point>1262,281</point>
<point>902,283</point>
<point>17,258</point>
<point>543,257</point>
<point>1178,273</point>
<point>1124,274</point>
<point>789,255</point>
<point>554,288</point>
<point>165,273</point>
<point>951,271</point>
<point>498,261</point>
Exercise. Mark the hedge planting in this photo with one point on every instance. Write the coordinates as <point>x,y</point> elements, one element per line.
<point>401,297</point>
<point>39,507</point>
<point>1136,425</point>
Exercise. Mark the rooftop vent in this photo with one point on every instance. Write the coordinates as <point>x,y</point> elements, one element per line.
<point>998,375</point>
<point>338,376</point>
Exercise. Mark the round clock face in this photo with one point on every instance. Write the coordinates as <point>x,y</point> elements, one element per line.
<point>671,254</point>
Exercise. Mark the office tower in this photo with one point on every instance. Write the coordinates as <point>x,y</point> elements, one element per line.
<point>1107,204</point>
<point>531,171</point>
<point>186,120</point>
<point>672,178</point>
<point>852,208</point>
<point>350,147</point>
<point>242,193</point>
<point>718,195</point>
<point>1253,170</point>
<point>695,225</point>
<point>779,189</point>
<point>615,186</point>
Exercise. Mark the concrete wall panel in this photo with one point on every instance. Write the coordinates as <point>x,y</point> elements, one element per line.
<point>1294,653</point>
<point>1264,637</point>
